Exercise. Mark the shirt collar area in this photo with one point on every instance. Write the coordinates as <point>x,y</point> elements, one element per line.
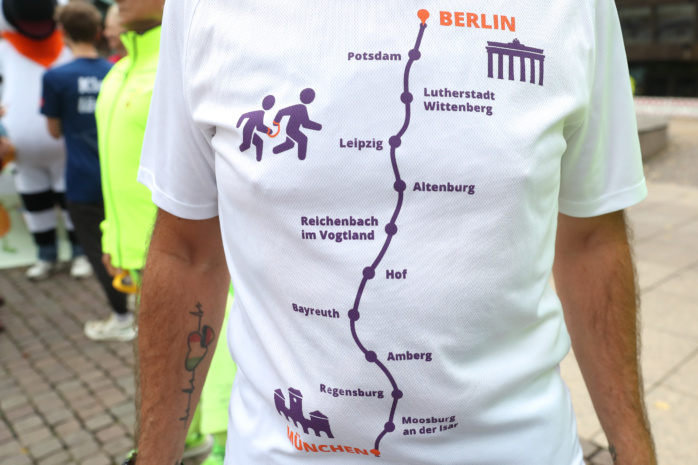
<point>143,45</point>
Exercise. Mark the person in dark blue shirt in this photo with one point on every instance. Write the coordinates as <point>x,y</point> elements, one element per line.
<point>69,98</point>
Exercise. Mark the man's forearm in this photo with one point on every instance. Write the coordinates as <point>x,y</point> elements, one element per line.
<point>595,281</point>
<point>181,313</point>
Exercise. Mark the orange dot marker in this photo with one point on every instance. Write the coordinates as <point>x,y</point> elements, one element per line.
<point>374,451</point>
<point>423,15</point>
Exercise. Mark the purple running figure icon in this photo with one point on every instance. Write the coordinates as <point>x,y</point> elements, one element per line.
<point>255,120</point>
<point>298,118</point>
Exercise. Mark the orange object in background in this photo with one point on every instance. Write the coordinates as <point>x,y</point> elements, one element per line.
<point>42,51</point>
<point>8,158</point>
<point>4,221</point>
<point>124,282</point>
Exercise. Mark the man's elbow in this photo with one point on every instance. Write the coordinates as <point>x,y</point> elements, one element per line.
<point>196,244</point>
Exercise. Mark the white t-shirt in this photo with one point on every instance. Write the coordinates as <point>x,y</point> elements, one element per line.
<point>415,187</point>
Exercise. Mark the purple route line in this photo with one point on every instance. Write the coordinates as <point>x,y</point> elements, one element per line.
<point>390,230</point>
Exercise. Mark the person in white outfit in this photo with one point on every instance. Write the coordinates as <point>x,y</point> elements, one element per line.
<point>31,46</point>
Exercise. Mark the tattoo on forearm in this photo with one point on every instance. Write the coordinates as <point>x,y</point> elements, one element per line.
<point>614,454</point>
<point>198,342</point>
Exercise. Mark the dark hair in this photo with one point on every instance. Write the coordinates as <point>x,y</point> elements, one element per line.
<point>81,21</point>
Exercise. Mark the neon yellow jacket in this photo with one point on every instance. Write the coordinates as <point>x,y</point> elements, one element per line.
<point>122,112</point>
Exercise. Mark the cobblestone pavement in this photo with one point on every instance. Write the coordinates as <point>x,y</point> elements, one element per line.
<point>67,400</point>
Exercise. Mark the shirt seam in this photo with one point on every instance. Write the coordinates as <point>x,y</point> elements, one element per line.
<point>154,185</point>
<point>604,197</point>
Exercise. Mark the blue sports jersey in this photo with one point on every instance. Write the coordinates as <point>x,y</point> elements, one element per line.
<point>70,94</point>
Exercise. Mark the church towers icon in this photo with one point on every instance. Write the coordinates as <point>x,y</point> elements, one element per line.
<point>317,421</point>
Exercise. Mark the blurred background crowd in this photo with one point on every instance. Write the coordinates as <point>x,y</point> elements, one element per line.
<point>77,80</point>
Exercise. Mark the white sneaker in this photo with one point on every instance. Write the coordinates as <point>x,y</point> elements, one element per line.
<point>80,268</point>
<point>131,302</point>
<point>111,329</point>
<point>40,270</point>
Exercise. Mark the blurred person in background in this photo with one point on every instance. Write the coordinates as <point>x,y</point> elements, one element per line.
<point>31,46</point>
<point>112,33</point>
<point>69,96</point>
<point>121,113</point>
<point>5,149</point>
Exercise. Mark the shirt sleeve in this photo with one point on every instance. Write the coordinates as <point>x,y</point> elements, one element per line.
<point>177,161</point>
<point>601,168</point>
<point>51,97</point>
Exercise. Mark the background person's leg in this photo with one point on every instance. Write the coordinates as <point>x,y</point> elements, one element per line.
<point>119,325</point>
<point>40,217</point>
<point>80,266</point>
<point>59,199</point>
<point>35,189</point>
<point>86,218</point>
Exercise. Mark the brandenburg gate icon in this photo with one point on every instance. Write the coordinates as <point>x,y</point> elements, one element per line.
<point>515,49</point>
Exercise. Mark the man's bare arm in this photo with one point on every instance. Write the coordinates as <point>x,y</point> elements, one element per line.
<point>183,300</point>
<point>55,127</point>
<point>594,277</point>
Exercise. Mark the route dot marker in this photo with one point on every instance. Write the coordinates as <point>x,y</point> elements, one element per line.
<point>395,141</point>
<point>423,15</point>
<point>369,273</point>
<point>390,427</point>
<point>397,394</point>
<point>415,54</point>
<point>353,315</point>
<point>371,356</point>
<point>400,186</point>
<point>376,452</point>
<point>390,229</point>
<point>406,97</point>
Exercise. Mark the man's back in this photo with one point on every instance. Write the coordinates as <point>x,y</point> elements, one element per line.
<point>70,94</point>
<point>394,302</point>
